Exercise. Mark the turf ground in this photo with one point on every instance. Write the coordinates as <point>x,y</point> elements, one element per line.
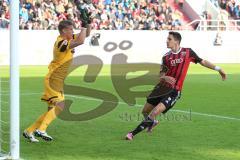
<point>203,125</point>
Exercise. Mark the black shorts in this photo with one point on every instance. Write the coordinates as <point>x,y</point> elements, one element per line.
<point>165,95</point>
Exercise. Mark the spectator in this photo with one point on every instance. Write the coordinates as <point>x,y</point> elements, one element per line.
<point>223,17</point>
<point>230,7</point>
<point>207,16</point>
<point>4,23</point>
<point>237,11</point>
<point>223,4</point>
<point>4,14</point>
<point>180,3</point>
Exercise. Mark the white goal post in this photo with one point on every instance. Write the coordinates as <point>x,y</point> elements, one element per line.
<point>14,81</point>
<point>14,116</point>
<point>14,143</point>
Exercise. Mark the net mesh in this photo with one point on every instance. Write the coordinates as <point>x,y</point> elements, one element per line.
<point>4,111</point>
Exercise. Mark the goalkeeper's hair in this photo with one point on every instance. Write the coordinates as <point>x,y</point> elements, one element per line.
<point>64,24</point>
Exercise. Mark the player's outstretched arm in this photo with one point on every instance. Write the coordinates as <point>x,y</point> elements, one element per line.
<point>85,30</point>
<point>210,65</point>
<point>89,28</point>
<point>79,38</point>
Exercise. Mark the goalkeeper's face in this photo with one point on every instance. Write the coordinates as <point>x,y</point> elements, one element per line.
<point>68,32</point>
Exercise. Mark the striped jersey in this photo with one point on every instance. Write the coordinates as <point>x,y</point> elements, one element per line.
<point>176,64</point>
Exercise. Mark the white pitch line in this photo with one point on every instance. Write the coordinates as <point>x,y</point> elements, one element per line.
<point>5,91</point>
<point>5,81</point>
<point>208,115</point>
<point>174,110</point>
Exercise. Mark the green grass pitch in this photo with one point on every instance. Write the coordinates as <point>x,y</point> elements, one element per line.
<point>203,125</point>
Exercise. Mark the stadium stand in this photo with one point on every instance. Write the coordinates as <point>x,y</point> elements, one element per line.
<point>231,6</point>
<point>110,14</point>
<point>117,14</point>
<point>210,15</point>
<point>4,14</point>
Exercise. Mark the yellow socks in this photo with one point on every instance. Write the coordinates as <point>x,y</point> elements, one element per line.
<point>49,117</point>
<point>36,124</point>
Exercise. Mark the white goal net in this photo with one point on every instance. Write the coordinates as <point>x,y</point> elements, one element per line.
<point>4,113</point>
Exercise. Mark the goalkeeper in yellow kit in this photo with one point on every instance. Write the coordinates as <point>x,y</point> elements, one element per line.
<point>53,84</point>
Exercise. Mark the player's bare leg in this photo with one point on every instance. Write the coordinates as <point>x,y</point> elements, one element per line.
<point>155,112</point>
<point>147,109</point>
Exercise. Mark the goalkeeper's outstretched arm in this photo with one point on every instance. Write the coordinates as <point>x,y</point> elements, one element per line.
<point>89,28</point>
<point>79,38</point>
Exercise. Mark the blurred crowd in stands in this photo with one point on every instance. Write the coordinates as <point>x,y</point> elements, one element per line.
<point>4,14</point>
<point>110,14</point>
<point>231,6</point>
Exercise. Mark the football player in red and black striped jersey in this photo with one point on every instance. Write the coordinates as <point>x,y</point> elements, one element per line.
<point>174,68</point>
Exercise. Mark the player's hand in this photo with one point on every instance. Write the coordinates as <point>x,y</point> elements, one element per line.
<point>223,74</point>
<point>87,12</point>
<point>168,79</point>
<point>84,17</point>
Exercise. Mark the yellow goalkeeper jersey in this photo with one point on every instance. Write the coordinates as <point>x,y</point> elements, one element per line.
<point>62,59</point>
